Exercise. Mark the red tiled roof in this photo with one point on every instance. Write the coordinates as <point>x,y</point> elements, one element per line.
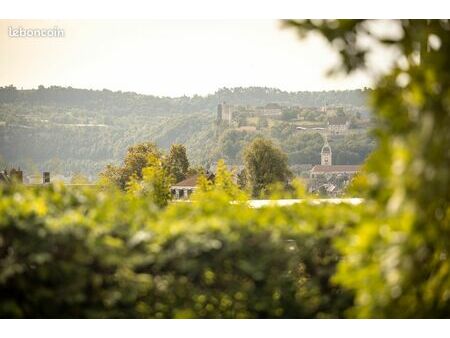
<point>335,168</point>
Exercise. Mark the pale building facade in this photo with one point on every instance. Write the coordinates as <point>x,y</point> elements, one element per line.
<point>338,125</point>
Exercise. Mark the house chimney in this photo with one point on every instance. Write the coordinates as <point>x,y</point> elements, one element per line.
<point>45,177</point>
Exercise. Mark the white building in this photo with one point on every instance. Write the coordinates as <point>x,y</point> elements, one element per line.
<point>184,188</point>
<point>338,125</point>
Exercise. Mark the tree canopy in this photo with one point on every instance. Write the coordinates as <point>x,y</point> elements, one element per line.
<point>177,162</point>
<point>265,164</point>
<point>136,159</point>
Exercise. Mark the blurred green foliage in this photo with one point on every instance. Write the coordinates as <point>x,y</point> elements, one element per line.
<point>82,252</point>
<point>155,183</point>
<point>79,179</point>
<point>71,253</point>
<point>396,260</point>
<point>136,159</point>
<point>223,186</point>
<point>99,252</point>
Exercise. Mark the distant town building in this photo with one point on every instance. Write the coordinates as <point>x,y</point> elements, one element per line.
<point>14,175</point>
<point>328,178</point>
<point>33,179</point>
<point>326,156</point>
<point>38,179</point>
<point>326,164</point>
<point>17,175</point>
<point>219,112</point>
<point>334,170</point>
<point>46,177</point>
<point>61,178</point>
<point>184,189</point>
<point>225,112</point>
<point>338,125</point>
<point>272,109</point>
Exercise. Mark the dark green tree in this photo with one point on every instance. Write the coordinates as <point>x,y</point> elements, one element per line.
<point>155,182</point>
<point>265,164</point>
<point>136,159</point>
<point>177,162</point>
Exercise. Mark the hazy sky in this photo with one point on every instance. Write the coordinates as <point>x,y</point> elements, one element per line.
<point>170,58</point>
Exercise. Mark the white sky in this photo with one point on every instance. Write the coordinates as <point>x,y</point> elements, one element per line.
<point>170,58</point>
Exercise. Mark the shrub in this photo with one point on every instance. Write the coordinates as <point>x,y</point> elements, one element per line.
<point>396,258</point>
<point>220,260</point>
<point>78,253</point>
<point>70,253</point>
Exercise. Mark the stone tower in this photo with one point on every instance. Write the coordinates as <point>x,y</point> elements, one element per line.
<point>227,112</point>
<point>219,112</point>
<point>325,154</point>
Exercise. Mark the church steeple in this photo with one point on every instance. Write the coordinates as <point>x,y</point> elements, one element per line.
<point>325,154</point>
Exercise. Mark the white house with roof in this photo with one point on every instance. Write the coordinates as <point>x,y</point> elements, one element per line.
<point>184,188</point>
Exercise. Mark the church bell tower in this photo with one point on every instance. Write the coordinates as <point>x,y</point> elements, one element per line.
<point>325,154</point>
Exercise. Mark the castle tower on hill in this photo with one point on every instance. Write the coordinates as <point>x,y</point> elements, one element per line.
<point>325,154</point>
<point>219,112</point>
<point>225,112</point>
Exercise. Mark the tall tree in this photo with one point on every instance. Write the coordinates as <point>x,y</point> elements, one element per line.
<point>136,159</point>
<point>112,174</point>
<point>222,185</point>
<point>155,182</point>
<point>177,162</point>
<point>265,164</point>
<point>137,156</point>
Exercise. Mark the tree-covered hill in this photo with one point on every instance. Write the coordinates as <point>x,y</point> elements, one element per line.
<point>129,102</point>
<point>67,130</point>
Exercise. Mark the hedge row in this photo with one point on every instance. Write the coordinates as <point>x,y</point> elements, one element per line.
<point>87,253</point>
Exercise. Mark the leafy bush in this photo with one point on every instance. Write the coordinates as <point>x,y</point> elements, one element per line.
<point>231,261</point>
<point>396,258</point>
<point>85,253</point>
<point>70,253</point>
<point>155,183</point>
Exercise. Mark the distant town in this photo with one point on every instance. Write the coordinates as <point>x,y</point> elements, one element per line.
<point>326,178</point>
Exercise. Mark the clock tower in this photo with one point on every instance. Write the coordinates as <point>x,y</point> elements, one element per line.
<point>325,154</point>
